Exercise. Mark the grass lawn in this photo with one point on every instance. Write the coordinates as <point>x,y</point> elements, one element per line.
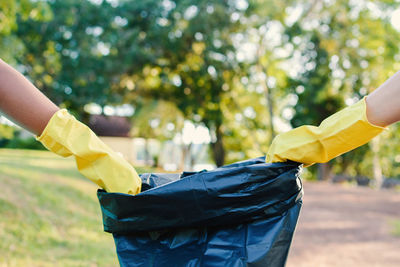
<point>49,213</point>
<point>396,228</point>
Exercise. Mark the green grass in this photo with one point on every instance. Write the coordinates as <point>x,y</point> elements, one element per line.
<point>396,228</point>
<point>49,213</point>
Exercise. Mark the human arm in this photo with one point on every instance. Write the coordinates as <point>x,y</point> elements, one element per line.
<point>22,102</point>
<point>341,132</point>
<point>383,105</point>
<point>62,134</point>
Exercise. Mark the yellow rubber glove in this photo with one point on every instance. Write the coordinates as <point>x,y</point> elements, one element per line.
<point>66,136</point>
<point>338,134</point>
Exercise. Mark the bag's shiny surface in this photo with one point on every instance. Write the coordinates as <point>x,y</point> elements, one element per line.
<point>242,214</point>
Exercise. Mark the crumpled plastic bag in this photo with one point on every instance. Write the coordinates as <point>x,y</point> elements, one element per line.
<point>243,214</point>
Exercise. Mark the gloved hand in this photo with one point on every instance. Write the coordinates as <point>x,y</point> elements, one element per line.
<point>338,134</point>
<point>66,136</point>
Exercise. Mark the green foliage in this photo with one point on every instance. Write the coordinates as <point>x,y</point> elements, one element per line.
<point>9,139</point>
<point>242,69</point>
<point>6,134</point>
<point>6,131</point>
<point>315,101</point>
<point>389,153</point>
<point>187,62</point>
<point>63,53</point>
<point>346,56</point>
<point>12,14</point>
<point>24,143</point>
<point>157,119</point>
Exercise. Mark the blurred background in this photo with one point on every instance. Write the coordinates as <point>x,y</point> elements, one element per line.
<point>187,85</point>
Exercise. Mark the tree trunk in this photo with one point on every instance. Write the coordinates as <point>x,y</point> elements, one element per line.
<point>267,90</point>
<point>376,164</point>
<point>158,161</point>
<point>146,152</point>
<point>183,158</point>
<point>270,105</point>
<point>189,156</point>
<point>218,148</point>
<point>192,157</point>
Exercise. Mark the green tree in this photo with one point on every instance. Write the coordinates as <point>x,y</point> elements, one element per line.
<point>347,51</point>
<point>11,13</point>
<point>69,56</point>
<point>241,68</point>
<point>156,119</point>
<point>190,58</point>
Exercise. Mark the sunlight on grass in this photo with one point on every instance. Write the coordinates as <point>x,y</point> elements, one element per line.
<point>396,228</point>
<point>49,213</point>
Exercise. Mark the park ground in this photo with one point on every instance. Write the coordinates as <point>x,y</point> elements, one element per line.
<point>49,216</point>
<point>342,226</point>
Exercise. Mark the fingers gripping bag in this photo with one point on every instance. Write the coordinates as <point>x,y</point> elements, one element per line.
<point>243,214</point>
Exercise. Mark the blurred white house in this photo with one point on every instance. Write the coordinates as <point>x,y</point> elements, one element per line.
<point>170,155</point>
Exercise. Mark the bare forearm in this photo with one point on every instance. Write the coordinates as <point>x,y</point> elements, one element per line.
<point>22,102</point>
<point>383,105</point>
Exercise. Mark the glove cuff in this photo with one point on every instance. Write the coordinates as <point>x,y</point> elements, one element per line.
<point>337,134</point>
<point>66,136</point>
<point>51,136</point>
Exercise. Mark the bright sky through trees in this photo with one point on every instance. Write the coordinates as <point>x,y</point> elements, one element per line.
<point>396,19</point>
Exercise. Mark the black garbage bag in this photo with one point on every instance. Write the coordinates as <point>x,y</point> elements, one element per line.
<point>243,214</point>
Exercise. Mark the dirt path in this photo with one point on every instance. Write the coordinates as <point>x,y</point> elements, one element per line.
<point>341,226</point>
